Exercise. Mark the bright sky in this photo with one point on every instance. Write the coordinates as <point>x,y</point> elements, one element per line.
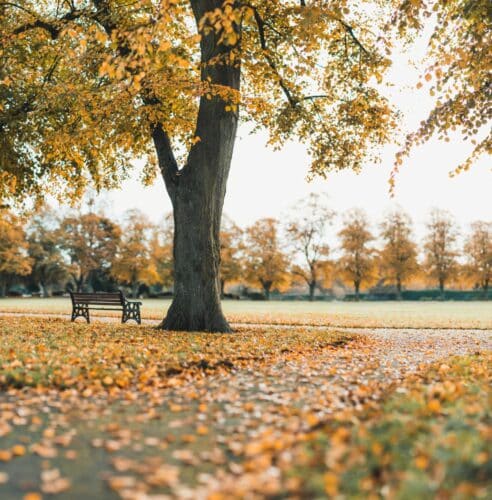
<point>264,183</point>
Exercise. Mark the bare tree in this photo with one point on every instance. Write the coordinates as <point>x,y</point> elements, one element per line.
<point>307,232</point>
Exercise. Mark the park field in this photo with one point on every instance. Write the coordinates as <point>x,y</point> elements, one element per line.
<point>456,315</point>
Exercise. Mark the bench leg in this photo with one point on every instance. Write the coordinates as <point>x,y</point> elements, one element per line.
<point>131,311</point>
<point>80,311</point>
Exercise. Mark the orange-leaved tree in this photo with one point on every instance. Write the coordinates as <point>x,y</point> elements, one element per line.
<point>357,261</point>
<point>133,263</point>
<point>440,248</point>
<point>161,251</point>
<point>231,253</point>
<point>398,257</point>
<point>14,260</point>
<point>478,253</point>
<point>90,240</point>
<point>49,267</point>
<point>87,86</point>
<point>265,261</point>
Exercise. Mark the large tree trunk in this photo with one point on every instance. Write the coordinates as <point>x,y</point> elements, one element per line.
<point>197,193</point>
<point>196,303</point>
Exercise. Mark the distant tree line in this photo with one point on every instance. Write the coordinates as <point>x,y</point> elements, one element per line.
<point>48,253</point>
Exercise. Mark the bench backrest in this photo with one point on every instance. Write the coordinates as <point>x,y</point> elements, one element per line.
<point>98,298</point>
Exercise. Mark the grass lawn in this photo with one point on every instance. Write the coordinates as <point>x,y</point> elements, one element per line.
<point>343,314</point>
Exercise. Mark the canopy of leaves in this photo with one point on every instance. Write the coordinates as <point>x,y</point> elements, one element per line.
<point>82,83</point>
<point>13,248</point>
<point>459,71</point>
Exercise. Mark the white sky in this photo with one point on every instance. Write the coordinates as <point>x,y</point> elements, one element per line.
<point>265,183</point>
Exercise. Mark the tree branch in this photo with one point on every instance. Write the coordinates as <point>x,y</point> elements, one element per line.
<point>350,31</point>
<point>261,34</point>
<point>167,161</point>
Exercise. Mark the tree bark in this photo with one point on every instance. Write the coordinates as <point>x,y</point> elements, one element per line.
<point>441,288</point>
<point>312,288</point>
<point>44,289</point>
<point>197,193</point>
<point>398,288</point>
<point>357,290</point>
<point>196,303</point>
<point>135,287</point>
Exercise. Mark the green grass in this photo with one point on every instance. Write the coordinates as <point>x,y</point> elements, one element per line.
<point>348,314</point>
<point>430,439</point>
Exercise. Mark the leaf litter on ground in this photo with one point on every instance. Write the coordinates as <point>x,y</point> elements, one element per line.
<point>107,410</point>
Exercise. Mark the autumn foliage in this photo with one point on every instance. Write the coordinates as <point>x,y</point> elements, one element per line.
<point>50,253</point>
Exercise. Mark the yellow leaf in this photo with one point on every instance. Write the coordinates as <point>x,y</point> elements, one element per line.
<point>434,406</point>
<point>18,450</point>
<point>331,483</point>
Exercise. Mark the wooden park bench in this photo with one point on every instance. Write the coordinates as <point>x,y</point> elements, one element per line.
<point>83,302</point>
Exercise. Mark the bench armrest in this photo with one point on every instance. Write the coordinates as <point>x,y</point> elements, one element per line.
<point>133,302</point>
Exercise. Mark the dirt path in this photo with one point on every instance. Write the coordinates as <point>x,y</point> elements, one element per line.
<point>230,433</point>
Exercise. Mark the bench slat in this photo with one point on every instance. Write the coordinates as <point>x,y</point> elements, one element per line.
<point>95,299</point>
<point>98,298</point>
<point>97,295</point>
